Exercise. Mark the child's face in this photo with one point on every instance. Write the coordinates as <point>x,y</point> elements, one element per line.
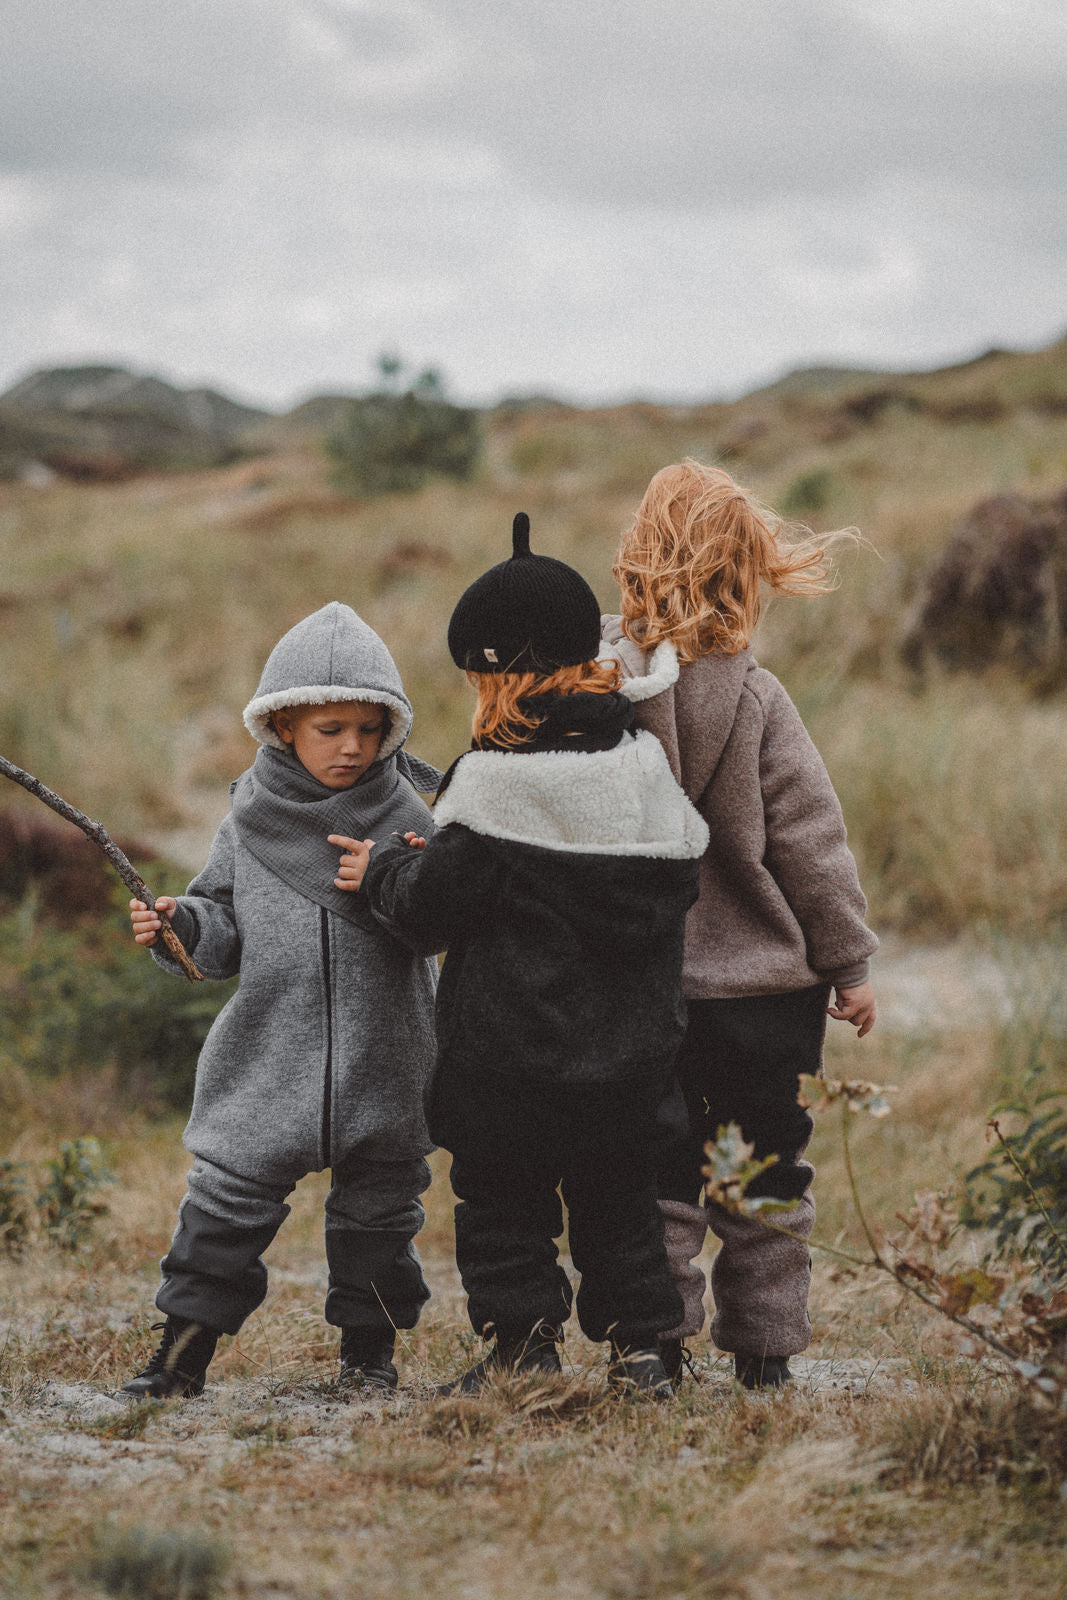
<point>336,742</point>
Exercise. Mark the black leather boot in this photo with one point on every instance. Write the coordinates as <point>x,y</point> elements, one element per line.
<point>367,1359</point>
<point>179,1367</point>
<point>639,1371</point>
<point>760,1371</point>
<point>676,1361</point>
<point>520,1356</point>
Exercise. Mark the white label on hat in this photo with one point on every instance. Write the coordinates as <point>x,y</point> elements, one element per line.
<point>490,655</point>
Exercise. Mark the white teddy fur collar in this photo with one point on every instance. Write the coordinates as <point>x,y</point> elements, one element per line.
<point>619,802</point>
<point>648,673</point>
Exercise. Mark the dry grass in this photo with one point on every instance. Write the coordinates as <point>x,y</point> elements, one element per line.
<point>896,1466</point>
<point>134,620</point>
<point>136,617</point>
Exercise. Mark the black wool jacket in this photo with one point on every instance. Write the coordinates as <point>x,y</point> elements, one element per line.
<point>558,881</point>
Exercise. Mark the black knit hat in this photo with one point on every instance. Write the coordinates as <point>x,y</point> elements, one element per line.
<point>529,614</point>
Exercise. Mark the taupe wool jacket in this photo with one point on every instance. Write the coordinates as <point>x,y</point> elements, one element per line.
<point>780,904</point>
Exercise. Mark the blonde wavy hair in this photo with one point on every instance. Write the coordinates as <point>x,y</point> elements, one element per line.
<point>498,717</point>
<point>692,567</point>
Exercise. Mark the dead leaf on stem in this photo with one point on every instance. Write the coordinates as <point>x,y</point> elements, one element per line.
<point>817,1093</point>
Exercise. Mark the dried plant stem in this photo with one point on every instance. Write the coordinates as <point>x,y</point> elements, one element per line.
<point>99,835</point>
<point>854,1188</point>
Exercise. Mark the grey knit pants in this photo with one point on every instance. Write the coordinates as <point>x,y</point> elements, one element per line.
<point>214,1274</point>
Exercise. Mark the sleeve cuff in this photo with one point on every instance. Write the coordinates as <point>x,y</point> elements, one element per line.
<point>848,977</point>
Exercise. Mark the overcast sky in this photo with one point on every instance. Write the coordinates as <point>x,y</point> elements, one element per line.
<point>592,198</point>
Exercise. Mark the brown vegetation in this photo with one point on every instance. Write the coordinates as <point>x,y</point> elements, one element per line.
<point>136,617</point>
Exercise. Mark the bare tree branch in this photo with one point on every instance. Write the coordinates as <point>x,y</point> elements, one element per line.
<point>121,862</point>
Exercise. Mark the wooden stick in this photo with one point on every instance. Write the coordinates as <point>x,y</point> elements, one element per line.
<point>121,863</point>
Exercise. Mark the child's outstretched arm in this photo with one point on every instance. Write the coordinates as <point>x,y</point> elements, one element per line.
<point>432,894</point>
<point>855,1005</point>
<point>357,854</point>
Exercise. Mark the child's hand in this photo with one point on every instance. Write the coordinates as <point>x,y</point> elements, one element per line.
<point>855,1005</point>
<point>415,840</point>
<point>353,862</point>
<point>146,924</point>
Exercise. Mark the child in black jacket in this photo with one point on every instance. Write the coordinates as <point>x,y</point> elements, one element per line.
<point>564,860</point>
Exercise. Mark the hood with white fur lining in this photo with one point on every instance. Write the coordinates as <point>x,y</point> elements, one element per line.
<point>330,656</point>
<point>618,802</point>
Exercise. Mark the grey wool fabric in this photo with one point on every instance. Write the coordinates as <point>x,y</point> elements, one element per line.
<point>325,1051</point>
<point>780,904</point>
<point>285,817</point>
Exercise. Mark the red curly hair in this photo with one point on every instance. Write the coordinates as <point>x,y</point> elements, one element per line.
<point>498,716</point>
<point>692,566</point>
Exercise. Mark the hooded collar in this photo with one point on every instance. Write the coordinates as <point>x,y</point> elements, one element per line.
<point>691,709</point>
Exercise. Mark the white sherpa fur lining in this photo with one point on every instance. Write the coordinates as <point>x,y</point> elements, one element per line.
<point>257,712</point>
<point>619,802</point>
<point>649,674</point>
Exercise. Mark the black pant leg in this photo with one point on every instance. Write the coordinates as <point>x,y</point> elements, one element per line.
<point>212,1273</point>
<point>507,1220</point>
<point>740,1062</point>
<point>627,1291</point>
<point>373,1212</point>
<point>506,1167</point>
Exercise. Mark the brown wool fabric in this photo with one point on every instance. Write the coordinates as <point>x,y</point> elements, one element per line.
<point>759,1281</point>
<point>780,905</point>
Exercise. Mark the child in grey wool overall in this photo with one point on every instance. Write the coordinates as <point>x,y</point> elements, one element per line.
<point>322,1057</point>
<point>780,918</point>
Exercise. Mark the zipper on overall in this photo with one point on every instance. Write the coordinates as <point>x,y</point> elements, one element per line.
<point>327,1087</point>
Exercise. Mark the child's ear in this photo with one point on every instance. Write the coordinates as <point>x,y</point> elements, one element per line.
<point>282,723</point>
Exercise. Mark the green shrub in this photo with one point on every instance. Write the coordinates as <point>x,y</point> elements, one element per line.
<point>75,1000</point>
<point>1019,1194</point>
<point>65,1204</point>
<point>14,1217</point>
<point>397,439</point>
<point>140,1563</point>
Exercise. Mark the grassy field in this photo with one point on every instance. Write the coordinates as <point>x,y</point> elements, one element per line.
<point>898,1465</point>
<point>134,619</point>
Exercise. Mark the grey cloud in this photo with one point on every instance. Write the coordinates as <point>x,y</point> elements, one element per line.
<point>592,198</point>
<point>682,105</point>
<point>692,105</point>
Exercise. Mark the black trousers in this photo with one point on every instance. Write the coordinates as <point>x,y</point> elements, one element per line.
<point>740,1062</point>
<point>516,1144</point>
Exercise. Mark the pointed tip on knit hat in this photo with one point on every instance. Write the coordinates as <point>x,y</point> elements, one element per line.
<point>520,535</point>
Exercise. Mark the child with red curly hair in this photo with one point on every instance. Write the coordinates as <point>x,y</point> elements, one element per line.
<point>780,918</point>
<point>563,862</point>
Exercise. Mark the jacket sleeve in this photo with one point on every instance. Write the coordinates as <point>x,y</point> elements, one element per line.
<point>432,898</point>
<point>205,920</point>
<point>806,849</point>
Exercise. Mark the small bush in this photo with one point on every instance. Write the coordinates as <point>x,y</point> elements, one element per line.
<point>66,1208</point>
<point>14,1216</point>
<point>141,1563</point>
<point>78,1000</point>
<point>808,492</point>
<point>397,439</point>
<point>1020,1193</point>
<point>1009,1436</point>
